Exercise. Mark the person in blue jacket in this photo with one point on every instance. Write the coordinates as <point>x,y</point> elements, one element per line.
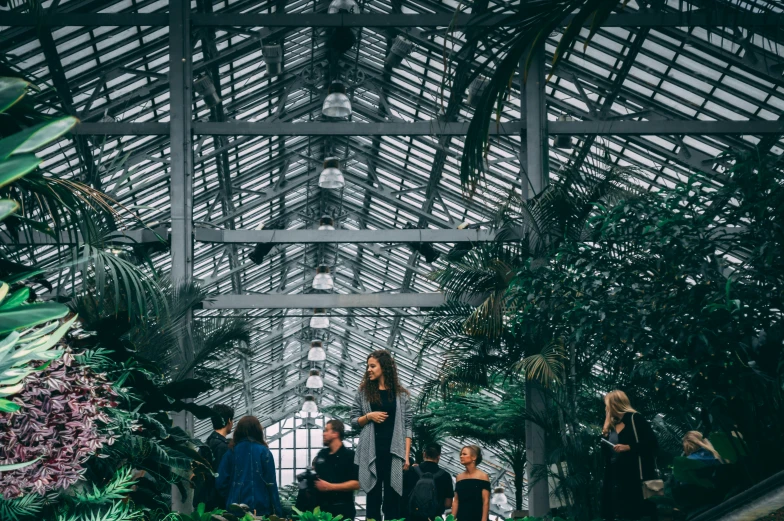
<point>247,471</point>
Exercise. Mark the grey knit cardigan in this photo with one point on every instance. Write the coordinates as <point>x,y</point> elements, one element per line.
<point>365,451</point>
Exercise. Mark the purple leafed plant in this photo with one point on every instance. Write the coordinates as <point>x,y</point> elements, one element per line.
<point>59,422</point>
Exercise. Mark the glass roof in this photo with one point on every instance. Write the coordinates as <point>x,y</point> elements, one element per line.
<point>120,74</point>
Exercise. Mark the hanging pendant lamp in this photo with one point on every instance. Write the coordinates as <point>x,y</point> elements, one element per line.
<point>323,279</point>
<point>326,223</point>
<point>319,320</point>
<point>309,405</point>
<point>499,498</point>
<point>331,177</point>
<point>314,380</point>
<point>343,6</point>
<point>336,104</point>
<point>316,352</point>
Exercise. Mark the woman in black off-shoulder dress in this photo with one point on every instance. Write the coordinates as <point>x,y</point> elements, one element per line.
<point>472,490</point>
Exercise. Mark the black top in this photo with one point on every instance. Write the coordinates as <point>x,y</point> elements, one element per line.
<point>622,491</point>
<point>336,468</point>
<point>443,481</point>
<point>205,492</point>
<point>469,498</point>
<point>627,463</point>
<point>386,429</point>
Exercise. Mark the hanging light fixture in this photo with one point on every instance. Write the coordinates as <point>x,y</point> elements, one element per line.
<point>400,49</point>
<point>563,141</point>
<point>343,6</point>
<point>316,352</point>
<point>319,320</point>
<point>499,498</point>
<point>326,223</point>
<point>331,177</point>
<point>323,279</point>
<point>336,104</point>
<point>314,380</point>
<point>475,91</point>
<point>273,58</point>
<point>204,86</point>
<point>309,405</point>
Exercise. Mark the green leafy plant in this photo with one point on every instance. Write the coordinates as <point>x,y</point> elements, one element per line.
<point>22,507</point>
<point>16,151</point>
<point>200,514</point>
<point>315,515</point>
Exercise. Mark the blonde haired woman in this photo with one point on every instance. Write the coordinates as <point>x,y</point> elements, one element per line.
<point>629,448</point>
<point>697,447</point>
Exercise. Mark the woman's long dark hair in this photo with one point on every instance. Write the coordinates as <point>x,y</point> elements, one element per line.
<point>389,370</point>
<point>248,428</point>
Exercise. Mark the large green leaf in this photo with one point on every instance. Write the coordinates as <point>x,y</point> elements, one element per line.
<point>16,466</point>
<point>17,299</point>
<point>11,91</point>
<point>8,406</point>
<point>30,315</point>
<point>7,207</point>
<point>17,167</point>
<point>33,138</point>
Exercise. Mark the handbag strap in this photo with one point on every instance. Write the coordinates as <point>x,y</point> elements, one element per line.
<point>639,457</point>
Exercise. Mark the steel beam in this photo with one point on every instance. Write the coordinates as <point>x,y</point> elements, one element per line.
<point>538,174</point>
<point>715,17</point>
<point>181,186</point>
<point>342,236</point>
<point>128,237</point>
<point>437,128</point>
<point>325,300</point>
<point>322,128</point>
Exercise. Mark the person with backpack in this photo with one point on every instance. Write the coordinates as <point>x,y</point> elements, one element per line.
<point>428,487</point>
<point>213,450</point>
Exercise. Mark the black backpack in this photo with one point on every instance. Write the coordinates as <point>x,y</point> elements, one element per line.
<point>423,502</point>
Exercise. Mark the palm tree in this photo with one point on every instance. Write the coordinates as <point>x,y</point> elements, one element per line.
<point>472,329</point>
<point>527,28</point>
<point>493,422</point>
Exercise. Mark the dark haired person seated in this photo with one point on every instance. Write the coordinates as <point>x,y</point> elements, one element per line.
<point>338,475</point>
<point>215,446</point>
<point>428,490</point>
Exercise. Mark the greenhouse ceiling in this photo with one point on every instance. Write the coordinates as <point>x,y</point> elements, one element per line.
<point>661,90</point>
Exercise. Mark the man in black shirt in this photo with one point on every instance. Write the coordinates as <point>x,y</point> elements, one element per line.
<point>213,450</point>
<point>337,472</point>
<point>443,481</point>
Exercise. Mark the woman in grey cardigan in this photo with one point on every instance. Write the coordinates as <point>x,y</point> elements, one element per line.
<point>382,415</point>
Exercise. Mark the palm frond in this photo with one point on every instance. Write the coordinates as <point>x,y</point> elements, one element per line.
<point>21,508</point>
<point>545,366</point>
<point>214,341</point>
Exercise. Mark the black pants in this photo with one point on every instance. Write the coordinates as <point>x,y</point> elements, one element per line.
<point>383,491</point>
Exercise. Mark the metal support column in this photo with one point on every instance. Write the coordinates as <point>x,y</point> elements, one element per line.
<point>537,173</point>
<point>181,179</point>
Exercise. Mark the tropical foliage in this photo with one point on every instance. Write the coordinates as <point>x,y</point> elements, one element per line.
<point>57,425</point>
<point>88,435</point>
<point>674,297</point>
<point>494,420</point>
